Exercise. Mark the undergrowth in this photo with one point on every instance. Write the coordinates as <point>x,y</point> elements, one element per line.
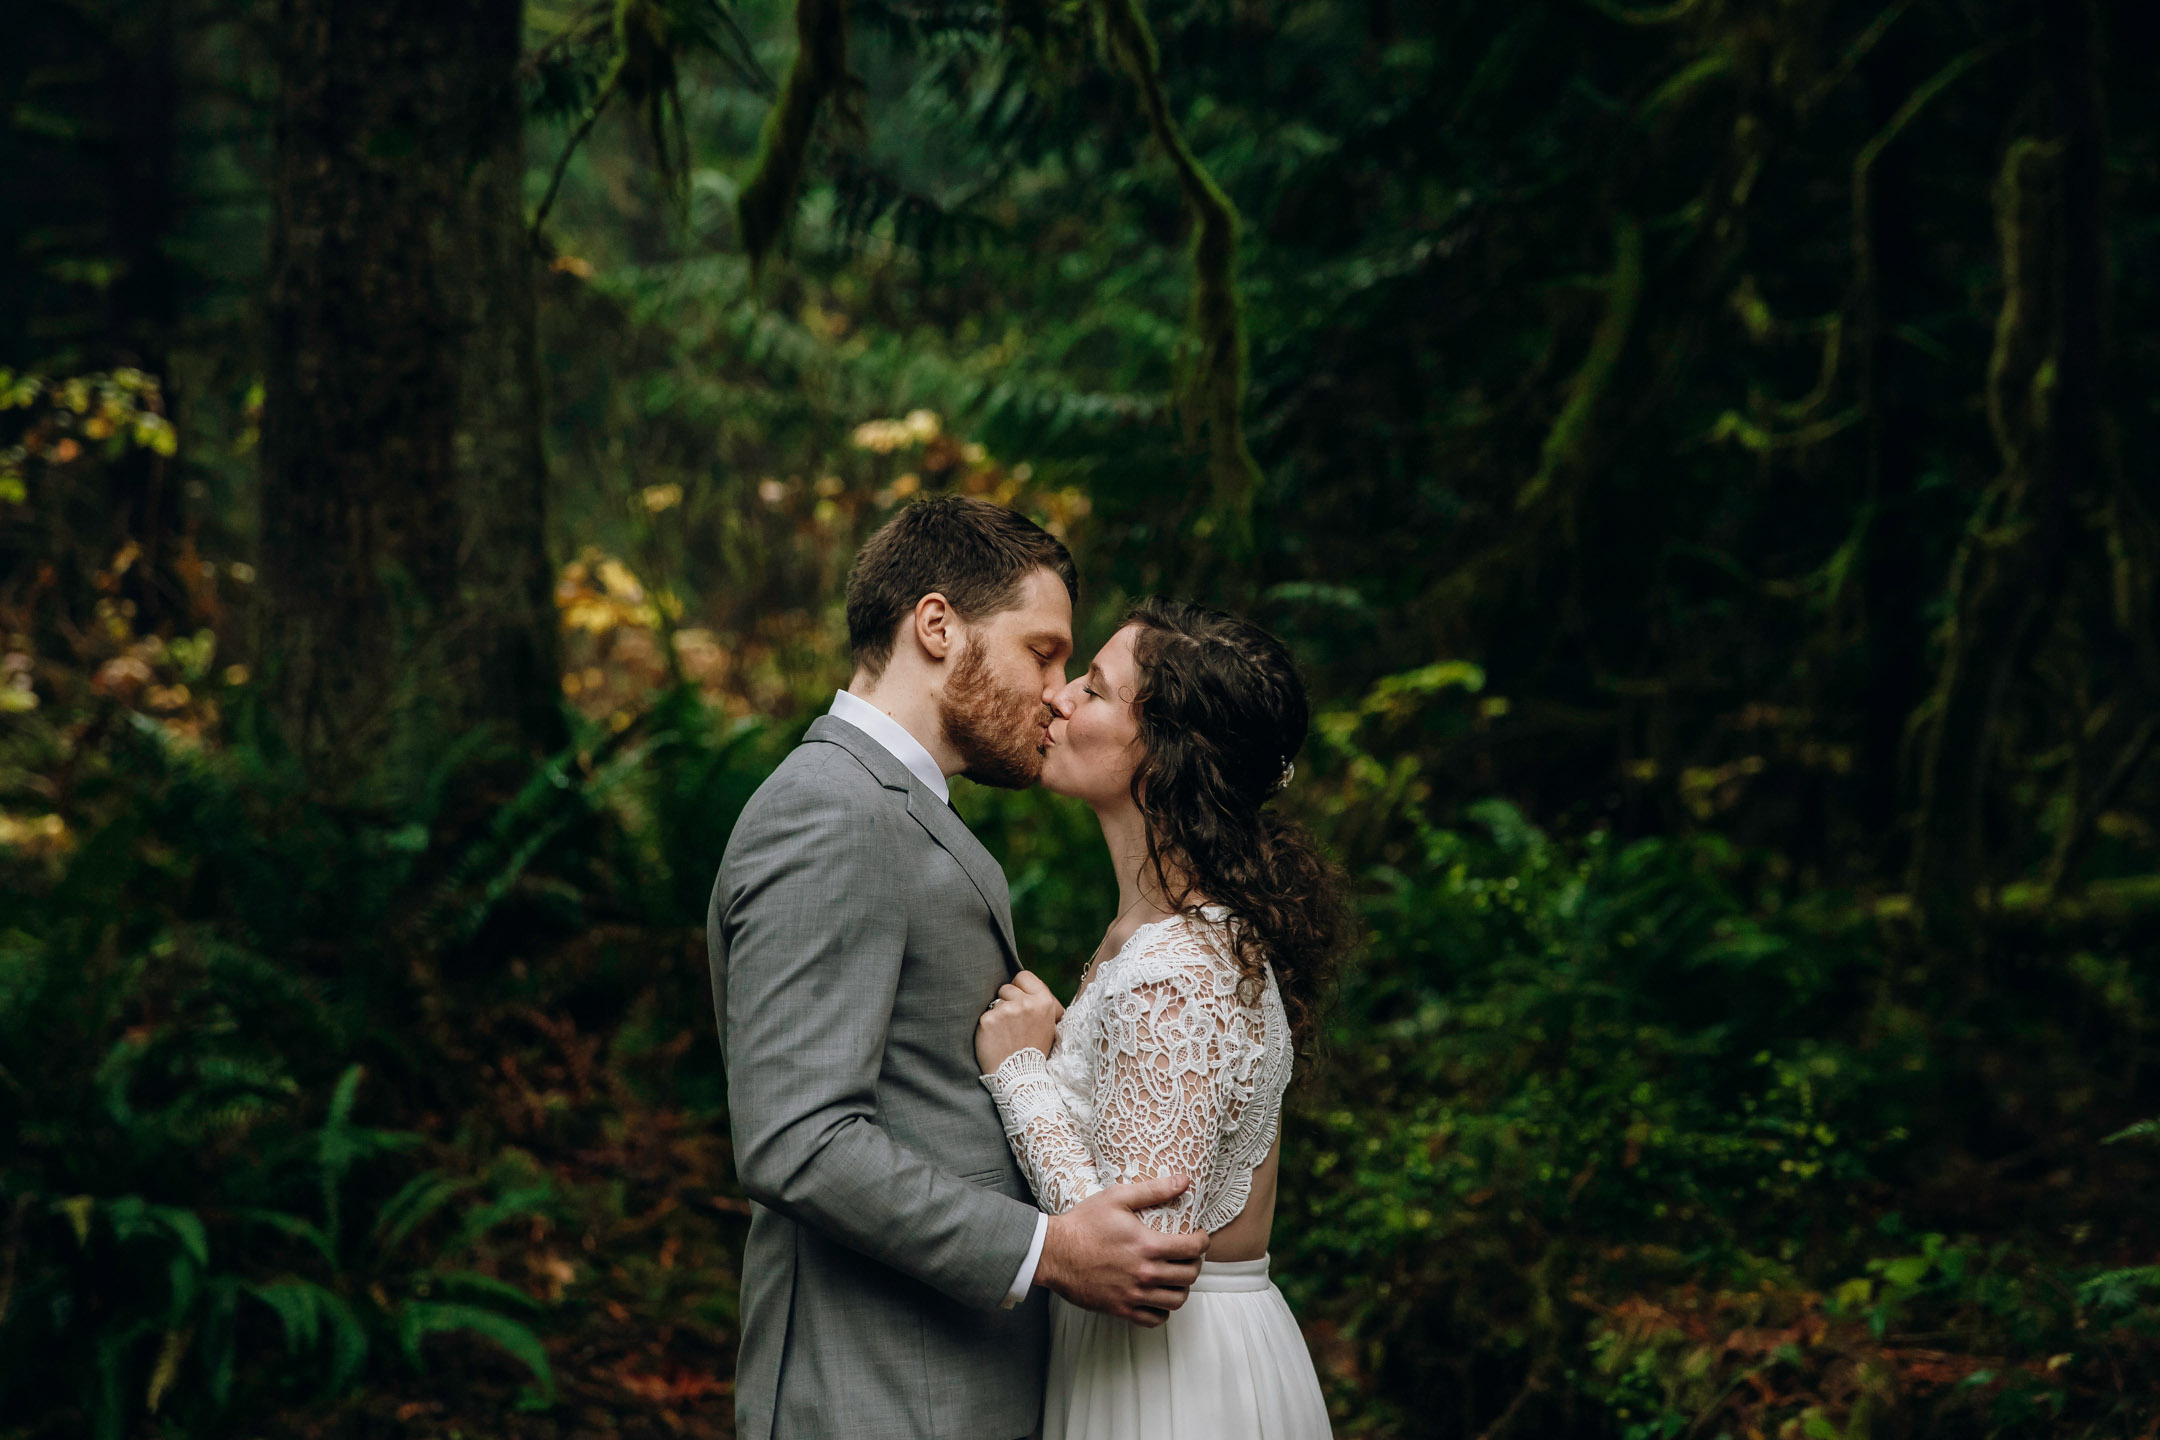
<point>406,1118</point>
<point>308,1104</point>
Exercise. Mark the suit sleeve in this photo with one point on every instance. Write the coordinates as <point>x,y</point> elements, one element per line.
<point>807,915</point>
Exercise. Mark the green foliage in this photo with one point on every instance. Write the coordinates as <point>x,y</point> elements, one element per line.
<point>694,771</point>
<point>1612,1123</point>
<point>201,1218</point>
<point>649,42</point>
<point>142,1312</point>
<point>1693,448</point>
<point>1627,1124</point>
<point>1217,371</point>
<point>1560,1069</point>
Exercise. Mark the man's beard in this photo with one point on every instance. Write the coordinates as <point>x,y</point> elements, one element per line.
<point>997,731</point>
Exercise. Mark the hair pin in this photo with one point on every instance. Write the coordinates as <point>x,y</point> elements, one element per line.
<point>1289,773</point>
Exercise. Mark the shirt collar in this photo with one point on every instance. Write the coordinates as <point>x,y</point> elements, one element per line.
<point>894,736</point>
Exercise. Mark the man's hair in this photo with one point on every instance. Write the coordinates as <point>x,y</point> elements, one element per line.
<point>974,553</point>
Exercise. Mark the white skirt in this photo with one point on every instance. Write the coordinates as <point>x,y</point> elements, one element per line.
<point>1229,1365</point>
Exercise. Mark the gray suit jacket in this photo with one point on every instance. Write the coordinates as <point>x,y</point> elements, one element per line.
<point>857,931</point>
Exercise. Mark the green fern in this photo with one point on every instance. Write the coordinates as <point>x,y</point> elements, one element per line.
<point>484,1287</point>
<point>2121,1290</point>
<point>418,1319</point>
<point>340,1143</point>
<point>2143,1130</point>
<point>512,1204</point>
<point>133,1218</point>
<point>307,1310</point>
<point>413,1205</point>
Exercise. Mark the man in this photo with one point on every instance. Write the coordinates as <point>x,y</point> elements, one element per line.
<point>894,1275</point>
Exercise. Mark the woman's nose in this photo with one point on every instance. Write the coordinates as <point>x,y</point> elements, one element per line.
<point>1062,701</point>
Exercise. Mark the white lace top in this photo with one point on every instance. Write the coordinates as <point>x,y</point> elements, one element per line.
<point>1158,1068</point>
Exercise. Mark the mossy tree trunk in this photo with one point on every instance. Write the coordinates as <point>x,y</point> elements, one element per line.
<point>405,578</point>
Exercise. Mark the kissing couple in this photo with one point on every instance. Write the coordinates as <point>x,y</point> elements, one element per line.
<point>977,1214</point>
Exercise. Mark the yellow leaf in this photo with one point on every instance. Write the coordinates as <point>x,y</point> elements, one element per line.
<point>168,1365</point>
<point>77,1208</point>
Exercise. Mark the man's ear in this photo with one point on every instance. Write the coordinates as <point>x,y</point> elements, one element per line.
<point>936,627</point>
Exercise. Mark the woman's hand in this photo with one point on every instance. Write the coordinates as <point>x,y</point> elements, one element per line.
<point>1024,1014</point>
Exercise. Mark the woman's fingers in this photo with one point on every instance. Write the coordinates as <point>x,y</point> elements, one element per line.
<point>1031,985</point>
<point>1024,1014</point>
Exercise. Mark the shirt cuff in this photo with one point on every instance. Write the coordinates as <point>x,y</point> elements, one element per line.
<point>1025,1280</point>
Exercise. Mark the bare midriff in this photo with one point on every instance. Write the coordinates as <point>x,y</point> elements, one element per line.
<point>1246,1237</point>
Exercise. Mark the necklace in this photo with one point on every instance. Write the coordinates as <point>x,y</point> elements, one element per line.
<point>1095,959</point>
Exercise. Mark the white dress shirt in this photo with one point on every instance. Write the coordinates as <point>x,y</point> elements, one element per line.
<point>909,751</point>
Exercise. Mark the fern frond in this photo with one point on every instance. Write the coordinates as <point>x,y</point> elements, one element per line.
<point>418,1319</point>
<point>2143,1130</point>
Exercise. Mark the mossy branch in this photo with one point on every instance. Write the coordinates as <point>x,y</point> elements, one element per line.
<point>644,70</point>
<point>1212,386</point>
<point>608,86</point>
<point>2000,587</point>
<point>818,75</point>
<point>1566,442</point>
<point>1863,166</point>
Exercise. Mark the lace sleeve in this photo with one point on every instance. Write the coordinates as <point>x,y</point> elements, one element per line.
<point>1044,1138</point>
<point>1176,1067</point>
<point>1166,1047</point>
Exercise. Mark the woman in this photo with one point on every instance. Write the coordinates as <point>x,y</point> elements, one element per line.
<point>1178,1045</point>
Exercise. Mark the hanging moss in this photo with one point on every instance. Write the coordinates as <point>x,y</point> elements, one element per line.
<point>818,75</point>
<point>1212,385</point>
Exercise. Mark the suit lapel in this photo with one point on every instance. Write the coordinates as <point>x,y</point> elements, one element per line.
<point>943,824</point>
<point>952,834</point>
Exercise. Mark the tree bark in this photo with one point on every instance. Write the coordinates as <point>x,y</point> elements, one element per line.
<point>405,578</point>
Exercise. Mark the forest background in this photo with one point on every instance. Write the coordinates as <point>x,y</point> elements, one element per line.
<point>1701,452</point>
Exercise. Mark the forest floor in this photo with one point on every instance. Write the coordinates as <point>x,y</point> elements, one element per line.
<point>637,1260</point>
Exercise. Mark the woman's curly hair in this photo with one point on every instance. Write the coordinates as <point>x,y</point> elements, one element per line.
<point>1222,713</point>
